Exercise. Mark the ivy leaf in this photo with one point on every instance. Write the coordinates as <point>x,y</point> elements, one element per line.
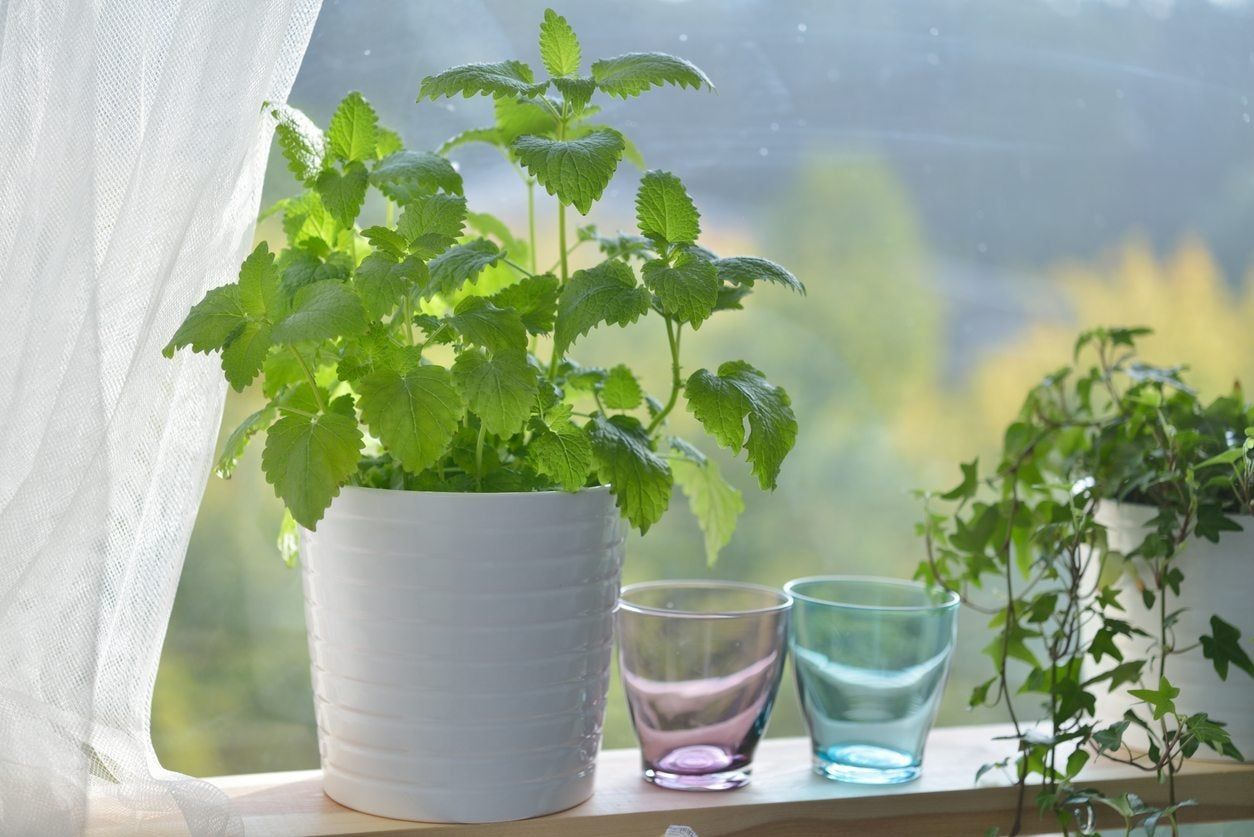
<point>1223,646</point>
<point>459,265</point>
<point>353,129</point>
<point>634,73</point>
<point>237,442</point>
<point>383,279</point>
<point>322,311</point>
<point>721,403</point>
<point>505,78</point>
<point>303,144</point>
<point>560,451</point>
<point>576,171</point>
<point>715,503</point>
<point>559,48</point>
<point>638,477</point>
<point>407,175</point>
<point>1161,700</point>
<point>664,211</point>
<point>343,194</point>
<point>687,288</point>
<point>481,322</point>
<point>307,460</point>
<point>211,323</point>
<point>1111,738</point>
<point>535,300</point>
<point>414,414</point>
<point>500,389</point>
<point>746,270</point>
<point>607,293</point>
<point>621,390</point>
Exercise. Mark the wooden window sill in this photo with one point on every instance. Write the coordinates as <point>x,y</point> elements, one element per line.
<point>784,800</point>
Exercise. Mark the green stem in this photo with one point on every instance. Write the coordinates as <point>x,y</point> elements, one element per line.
<point>561,243</point>
<point>531,221</point>
<point>313,383</point>
<point>483,429</point>
<point>673,333</point>
<point>524,271</point>
<point>408,312</point>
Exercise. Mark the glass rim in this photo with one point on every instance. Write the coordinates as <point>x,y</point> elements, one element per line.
<point>695,583</point>
<point>951,598</point>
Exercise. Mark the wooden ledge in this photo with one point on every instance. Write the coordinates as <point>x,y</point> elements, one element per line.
<point>785,799</point>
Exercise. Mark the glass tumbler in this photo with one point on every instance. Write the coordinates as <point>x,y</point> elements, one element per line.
<point>701,662</point>
<point>871,657</point>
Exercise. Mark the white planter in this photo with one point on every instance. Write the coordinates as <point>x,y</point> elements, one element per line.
<point>1218,580</point>
<point>460,647</point>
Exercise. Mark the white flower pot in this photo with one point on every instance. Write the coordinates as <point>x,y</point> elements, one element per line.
<point>1218,580</point>
<point>460,647</point>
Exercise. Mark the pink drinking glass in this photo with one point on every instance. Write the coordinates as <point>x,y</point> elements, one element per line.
<point>701,662</point>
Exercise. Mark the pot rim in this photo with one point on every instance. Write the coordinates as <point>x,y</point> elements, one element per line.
<point>784,603</point>
<point>548,492</point>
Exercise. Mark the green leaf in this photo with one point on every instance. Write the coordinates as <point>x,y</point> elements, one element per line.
<point>459,265</point>
<point>1223,647</point>
<point>576,171</point>
<point>307,460</point>
<point>414,414</point>
<point>343,194</point>
<point>382,281</point>
<point>1111,738</point>
<point>535,300</point>
<point>559,48</point>
<point>505,78</point>
<point>970,482</point>
<point>433,215</point>
<point>500,389</point>
<point>322,311</point>
<point>577,92</point>
<point>301,141</point>
<point>607,293</point>
<point>407,175</point>
<point>560,451</point>
<point>233,448</point>
<point>245,353</point>
<point>634,73</point>
<point>353,129</point>
<point>211,323</point>
<point>259,285</point>
<point>638,477</point>
<point>621,390</point>
<point>387,142</point>
<point>721,404</point>
<point>481,322</point>
<point>288,539</point>
<point>388,240</point>
<point>746,270</point>
<point>1076,762</point>
<point>664,211</point>
<point>1161,700</point>
<point>307,222</point>
<point>687,288</point>
<point>715,503</point>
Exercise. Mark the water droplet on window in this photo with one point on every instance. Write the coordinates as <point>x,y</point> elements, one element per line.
<point>762,152</point>
<point>934,32</point>
<point>982,247</point>
<point>366,53</point>
<point>775,125</point>
<point>801,27</point>
<point>1245,117</point>
<point>683,38</point>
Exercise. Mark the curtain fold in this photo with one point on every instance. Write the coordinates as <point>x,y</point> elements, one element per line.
<point>132,151</point>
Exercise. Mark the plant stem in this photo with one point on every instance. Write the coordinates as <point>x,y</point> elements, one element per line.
<point>531,220</point>
<point>1162,673</point>
<point>313,383</point>
<point>561,243</point>
<point>673,333</point>
<point>483,429</point>
<point>524,271</point>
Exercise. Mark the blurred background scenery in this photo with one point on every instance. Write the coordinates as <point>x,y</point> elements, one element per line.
<point>961,185</point>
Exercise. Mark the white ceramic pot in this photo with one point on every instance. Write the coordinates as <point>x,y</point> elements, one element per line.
<point>460,646</point>
<point>1218,580</point>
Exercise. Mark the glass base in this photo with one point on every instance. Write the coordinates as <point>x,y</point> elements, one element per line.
<point>698,768</point>
<point>865,764</point>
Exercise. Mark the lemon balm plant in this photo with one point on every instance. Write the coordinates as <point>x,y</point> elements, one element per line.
<point>345,324</point>
<point>458,482</point>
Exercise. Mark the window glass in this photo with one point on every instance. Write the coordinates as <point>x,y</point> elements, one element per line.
<point>962,185</point>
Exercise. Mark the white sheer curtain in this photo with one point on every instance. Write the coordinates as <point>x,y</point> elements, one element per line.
<point>132,149</point>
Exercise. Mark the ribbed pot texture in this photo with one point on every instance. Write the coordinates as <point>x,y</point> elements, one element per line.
<point>1219,580</point>
<point>460,648</point>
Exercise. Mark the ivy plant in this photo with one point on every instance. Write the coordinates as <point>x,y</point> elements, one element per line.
<point>433,352</point>
<point>1022,543</point>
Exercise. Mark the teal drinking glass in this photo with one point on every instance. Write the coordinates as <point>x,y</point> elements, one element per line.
<point>871,657</point>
